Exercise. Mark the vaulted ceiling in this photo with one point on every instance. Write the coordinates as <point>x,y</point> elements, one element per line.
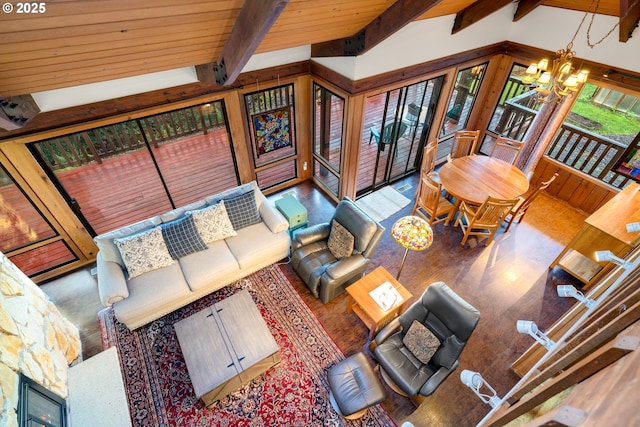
<point>74,42</point>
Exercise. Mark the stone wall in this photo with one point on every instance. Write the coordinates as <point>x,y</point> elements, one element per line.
<point>35,339</point>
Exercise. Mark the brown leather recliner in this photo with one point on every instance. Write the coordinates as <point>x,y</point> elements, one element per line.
<point>325,275</point>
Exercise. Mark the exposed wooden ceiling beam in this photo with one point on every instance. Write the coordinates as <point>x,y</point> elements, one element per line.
<point>475,12</point>
<point>629,18</point>
<point>525,7</point>
<point>391,20</point>
<point>251,26</point>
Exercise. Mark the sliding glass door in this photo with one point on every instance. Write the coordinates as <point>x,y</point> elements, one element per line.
<point>396,126</point>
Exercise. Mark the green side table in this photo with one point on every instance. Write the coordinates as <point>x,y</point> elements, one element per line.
<point>293,211</point>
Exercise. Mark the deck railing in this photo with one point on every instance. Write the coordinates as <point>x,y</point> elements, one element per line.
<point>517,116</point>
<point>591,154</point>
<point>94,145</point>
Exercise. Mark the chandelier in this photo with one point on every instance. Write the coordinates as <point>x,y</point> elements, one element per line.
<point>561,80</point>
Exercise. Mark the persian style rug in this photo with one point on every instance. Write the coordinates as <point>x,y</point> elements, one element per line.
<point>294,393</point>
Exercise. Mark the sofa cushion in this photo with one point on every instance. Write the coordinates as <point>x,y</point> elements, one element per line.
<point>340,241</point>
<point>243,210</point>
<point>144,252</point>
<point>152,295</point>
<point>421,342</point>
<point>215,265</point>
<point>252,243</point>
<point>213,222</point>
<point>108,248</point>
<point>182,238</point>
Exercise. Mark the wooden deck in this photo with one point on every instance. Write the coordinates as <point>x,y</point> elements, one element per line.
<point>127,188</point>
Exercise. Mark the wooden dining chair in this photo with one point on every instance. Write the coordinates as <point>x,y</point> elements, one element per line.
<point>429,154</point>
<point>518,211</point>
<point>485,219</point>
<point>430,203</point>
<point>463,144</point>
<point>506,149</point>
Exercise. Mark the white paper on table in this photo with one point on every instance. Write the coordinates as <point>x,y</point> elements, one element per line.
<point>385,296</point>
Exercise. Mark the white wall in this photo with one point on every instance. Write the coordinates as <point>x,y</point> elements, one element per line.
<point>553,28</point>
<point>94,92</point>
<point>422,41</point>
<point>546,28</point>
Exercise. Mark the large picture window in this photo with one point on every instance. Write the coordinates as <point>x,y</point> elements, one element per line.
<point>515,111</point>
<point>463,96</point>
<point>599,135</point>
<point>26,236</point>
<point>125,172</point>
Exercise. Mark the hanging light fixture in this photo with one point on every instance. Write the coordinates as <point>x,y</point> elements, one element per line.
<point>561,80</point>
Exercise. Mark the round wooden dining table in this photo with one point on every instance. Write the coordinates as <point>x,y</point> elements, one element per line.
<point>474,178</point>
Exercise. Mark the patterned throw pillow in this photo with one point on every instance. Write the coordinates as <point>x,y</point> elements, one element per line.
<point>143,252</point>
<point>242,210</point>
<point>421,342</point>
<point>182,238</point>
<point>213,223</point>
<point>340,242</point>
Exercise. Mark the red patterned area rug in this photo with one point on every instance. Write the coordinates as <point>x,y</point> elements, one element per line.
<point>294,393</point>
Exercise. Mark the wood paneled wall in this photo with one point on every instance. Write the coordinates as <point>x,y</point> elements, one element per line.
<point>577,189</point>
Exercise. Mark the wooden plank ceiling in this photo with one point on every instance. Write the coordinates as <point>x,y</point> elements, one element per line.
<point>76,42</point>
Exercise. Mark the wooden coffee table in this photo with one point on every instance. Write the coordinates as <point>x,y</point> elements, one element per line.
<point>366,308</point>
<point>225,346</point>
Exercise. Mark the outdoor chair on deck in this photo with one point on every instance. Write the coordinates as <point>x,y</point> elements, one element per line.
<point>392,132</point>
<point>413,115</point>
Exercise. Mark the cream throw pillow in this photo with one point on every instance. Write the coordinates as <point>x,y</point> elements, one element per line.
<point>144,252</point>
<point>213,222</point>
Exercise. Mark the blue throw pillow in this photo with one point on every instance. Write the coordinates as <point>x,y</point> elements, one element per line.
<point>182,238</point>
<point>242,210</point>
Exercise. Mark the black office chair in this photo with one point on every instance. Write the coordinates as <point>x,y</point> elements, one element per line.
<point>445,322</point>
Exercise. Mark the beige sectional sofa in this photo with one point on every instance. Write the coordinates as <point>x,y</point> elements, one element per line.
<point>142,284</point>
